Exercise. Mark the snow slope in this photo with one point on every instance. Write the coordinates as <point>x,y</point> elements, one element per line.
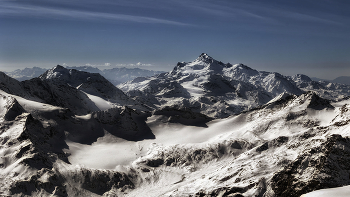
<point>339,192</point>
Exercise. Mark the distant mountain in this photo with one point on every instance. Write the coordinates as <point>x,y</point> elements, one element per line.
<point>325,89</point>
<point>342,79</point>
<point>318,79</point>
<point>210,87</point>
<point>114,75</point>
<point>27,73</point>
<point>119,75</point>
<point>89,69</point>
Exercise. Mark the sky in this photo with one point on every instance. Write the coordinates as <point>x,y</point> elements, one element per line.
<point>290,37</point>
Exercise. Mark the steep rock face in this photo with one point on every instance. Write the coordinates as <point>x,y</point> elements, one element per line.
<point>125,123</point>
<point>10,108</point>
<point>11,85</point>
<point>121,122</point>
<point>325,166</point>
<point>59,94</point>
<point>28,152</point>
<point>232,88</point>
<point>183,116</point>
<point>91,83</point>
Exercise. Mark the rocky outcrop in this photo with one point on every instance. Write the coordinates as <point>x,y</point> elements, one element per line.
<point>325,166</point>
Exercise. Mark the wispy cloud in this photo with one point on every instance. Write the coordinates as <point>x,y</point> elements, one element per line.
<point>233,12</point>
<point>308,18</point>
<point>136,65</point>
<point>30,10</point>
<point>263,12</point>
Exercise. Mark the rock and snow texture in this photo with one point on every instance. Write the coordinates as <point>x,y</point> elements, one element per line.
<point>69,133</point>
<point>284,148</point>
<point>210,87</point>
<point>79,91</point>
<point>33,149</point>
<point>90,83</point>
<point>290,140</point>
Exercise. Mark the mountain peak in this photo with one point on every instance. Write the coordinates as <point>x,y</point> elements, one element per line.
<point>58,67</point>
<point>205,57</point>
<point>55,73</point>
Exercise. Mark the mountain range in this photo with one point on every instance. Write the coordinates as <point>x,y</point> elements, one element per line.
<point>205,128</point>
<point>114,75</point>
<point>219,90</point>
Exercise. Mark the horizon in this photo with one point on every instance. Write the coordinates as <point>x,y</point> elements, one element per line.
<point>102,68</point>
<point>299,37</point>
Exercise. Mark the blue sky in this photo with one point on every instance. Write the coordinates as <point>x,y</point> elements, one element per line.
<point>290,37</point>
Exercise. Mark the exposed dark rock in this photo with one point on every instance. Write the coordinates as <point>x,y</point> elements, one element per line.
<point>184,116</point>
<point>101,181</point>
<point>263,147</point>
<point>155,162</point>
<point>326,167</point>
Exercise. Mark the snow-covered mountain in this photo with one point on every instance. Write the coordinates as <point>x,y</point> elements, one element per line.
<point>78,91</point>
<point>210,87</point>
<point>203,129</point>
<point>90,83</point>
<point>26,73</point>
<point>329,90</point>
